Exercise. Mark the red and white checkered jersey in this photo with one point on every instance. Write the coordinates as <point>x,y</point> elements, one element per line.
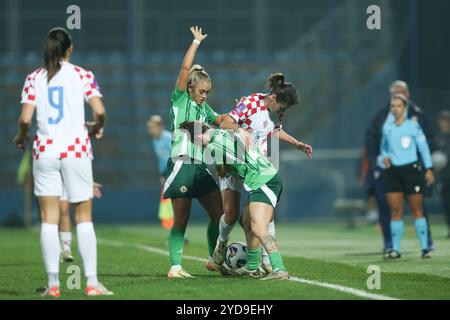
<point>61,129</point>
<point>252,115</point>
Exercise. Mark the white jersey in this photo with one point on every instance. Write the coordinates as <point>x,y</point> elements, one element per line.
<point>252,115</point>
<point>61,129</point>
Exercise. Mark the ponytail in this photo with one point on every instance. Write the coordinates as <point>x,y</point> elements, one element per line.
<point>196,74</point>
<point>274,80</point>
<point>55,47</point>
<point>286,92</point>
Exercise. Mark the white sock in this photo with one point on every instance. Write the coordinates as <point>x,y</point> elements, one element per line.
<point>87,246</point>
<point>224,229</point>
<point>66,241</point>
<point>175,267</point>
<point>264,253</point>
<point>50,252</point>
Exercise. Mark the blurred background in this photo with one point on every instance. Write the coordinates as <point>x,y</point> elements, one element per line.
<point>342,69</point>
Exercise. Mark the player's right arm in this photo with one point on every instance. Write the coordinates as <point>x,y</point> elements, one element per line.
<point>228,122</point>
<point>189,58</point>
<point>28,106</point>
<point>24,124</point>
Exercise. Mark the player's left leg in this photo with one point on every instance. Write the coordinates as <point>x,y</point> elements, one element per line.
<point>415,190</point>
<point>207,192</point>
<point>65,232</point>
<point>77,176</point>
<point>395,200</point>
<point>231,200</point>
<point>260,216</point>
<point>262,204</point>
<point>420,223</point>
<point>253,243</point>
<point>48,189</point>
<point>49,210</point>
<point>264,254</point>
<point>212,203</point>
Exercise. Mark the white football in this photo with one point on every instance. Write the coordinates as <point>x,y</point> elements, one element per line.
<point>236,256</point>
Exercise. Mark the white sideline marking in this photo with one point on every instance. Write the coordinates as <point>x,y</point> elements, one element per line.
<point>349,290</point>
<point>145,248</point>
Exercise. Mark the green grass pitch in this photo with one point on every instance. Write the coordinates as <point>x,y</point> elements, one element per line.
<point>329,261</point>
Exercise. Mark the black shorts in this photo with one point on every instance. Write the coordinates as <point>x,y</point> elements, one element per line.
<point>407,179</point>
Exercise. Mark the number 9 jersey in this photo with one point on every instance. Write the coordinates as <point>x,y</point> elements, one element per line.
<point>61,128</point>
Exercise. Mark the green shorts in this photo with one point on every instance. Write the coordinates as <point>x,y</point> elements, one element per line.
<point>269,193</point>
<point>185,180</point>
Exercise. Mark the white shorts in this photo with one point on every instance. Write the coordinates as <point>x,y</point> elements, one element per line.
<point>51,176</point>
<point>231,181</point>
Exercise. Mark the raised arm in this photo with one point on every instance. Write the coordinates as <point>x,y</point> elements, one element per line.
<point>189,58</point>
<point>284,136</point>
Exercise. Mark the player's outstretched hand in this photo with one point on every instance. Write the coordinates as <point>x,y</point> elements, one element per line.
<point>306,148</point>
<point>21,141</point>
<point>197,33</point>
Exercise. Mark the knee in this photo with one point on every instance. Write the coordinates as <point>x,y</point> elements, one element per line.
<point>258,230</point>
<point>396,212</point>
<point>417,213</point>
<point>64,211</point>
<point>396,215</point>
<point>231,214</point>
<point>180,223</point>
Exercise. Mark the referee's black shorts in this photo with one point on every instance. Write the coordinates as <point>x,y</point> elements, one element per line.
<point>407,179</point>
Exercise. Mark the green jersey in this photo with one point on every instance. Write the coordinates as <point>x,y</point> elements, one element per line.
<point>185,109</point>
<point>228,148</point>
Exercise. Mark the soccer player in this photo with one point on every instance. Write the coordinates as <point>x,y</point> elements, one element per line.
<point>400,142</point>
<point>65,225</point>
<point>187,178</point>
<point>260,178</point>
<point>62,152</point>
<point>260,115</point>
<point>162,140</point>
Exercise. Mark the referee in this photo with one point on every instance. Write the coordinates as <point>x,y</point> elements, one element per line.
<point>376,165</point>
<point>402,140</point>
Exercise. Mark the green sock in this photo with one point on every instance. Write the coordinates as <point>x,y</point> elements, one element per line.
<point>276,261</point>
<point>211,234</point>
<point>253,258</point>
<point>176,244</point>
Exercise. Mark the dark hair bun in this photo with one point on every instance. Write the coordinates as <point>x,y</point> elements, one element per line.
<point>275,80</point>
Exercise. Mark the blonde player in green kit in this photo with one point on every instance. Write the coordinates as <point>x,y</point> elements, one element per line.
<point>185,178</point>
<point>227,147</point>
